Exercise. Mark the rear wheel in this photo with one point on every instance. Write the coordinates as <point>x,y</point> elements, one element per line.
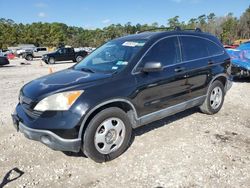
<point>29,57</point>
<point>107,135</point>
<point>214,99</point>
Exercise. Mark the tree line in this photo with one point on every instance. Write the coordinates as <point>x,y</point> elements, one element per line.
<point>227,28</point>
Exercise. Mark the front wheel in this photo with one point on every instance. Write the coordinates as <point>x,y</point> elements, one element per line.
<point>107,135</point>
<point>214,99</point>
<point>51,60</point>
<point>79,58</point>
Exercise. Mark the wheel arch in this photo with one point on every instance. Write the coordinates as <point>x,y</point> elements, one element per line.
<point>123,104</point>
<point>31,54</point>
<point>220,77</point>
<point>52,57</point>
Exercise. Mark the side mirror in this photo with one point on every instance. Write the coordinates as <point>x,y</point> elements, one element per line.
<point>152,67</point>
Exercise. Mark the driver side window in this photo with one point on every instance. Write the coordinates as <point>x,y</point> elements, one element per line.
<point>165,51</point>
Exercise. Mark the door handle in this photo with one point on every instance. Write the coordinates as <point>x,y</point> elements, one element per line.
<point>179,69</point>
<point>210,62</point>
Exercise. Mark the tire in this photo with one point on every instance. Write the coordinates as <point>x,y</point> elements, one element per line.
<point>51,60</point>
<point>103,139</point>
<point>214,99</point>
<point>29,58</point>
<point>79,58</point>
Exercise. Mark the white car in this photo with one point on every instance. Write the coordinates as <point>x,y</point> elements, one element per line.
<point>36,53</point>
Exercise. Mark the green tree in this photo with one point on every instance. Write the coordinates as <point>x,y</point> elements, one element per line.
<point>174,22</point>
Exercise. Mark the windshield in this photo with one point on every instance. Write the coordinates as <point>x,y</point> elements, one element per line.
<point>111,57</point>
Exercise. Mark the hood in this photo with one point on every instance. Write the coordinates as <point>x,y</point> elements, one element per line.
<point>60,81</point>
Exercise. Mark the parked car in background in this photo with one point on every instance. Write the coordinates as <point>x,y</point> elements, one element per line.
<point>64,54</point>
<point>10,56</point>
<point>5,52</point>
<point>240,58</point>
<point>126,83</point>
<point>35,53</point>
<point>23,51</point>
<point>231,46</point>
<point>4,61</point>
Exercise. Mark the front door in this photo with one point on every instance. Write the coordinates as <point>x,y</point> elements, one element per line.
<point>159,90</point>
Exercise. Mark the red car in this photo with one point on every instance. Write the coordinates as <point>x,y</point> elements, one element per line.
<point>233,46</point>
<point>11,56</point>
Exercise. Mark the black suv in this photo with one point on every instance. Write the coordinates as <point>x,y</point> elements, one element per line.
<point>64,54</point>
<point>126,83</point>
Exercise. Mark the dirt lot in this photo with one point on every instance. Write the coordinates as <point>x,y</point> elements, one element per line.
<point>189,149</point>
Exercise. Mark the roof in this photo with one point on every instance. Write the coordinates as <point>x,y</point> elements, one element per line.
<point>147,35</point>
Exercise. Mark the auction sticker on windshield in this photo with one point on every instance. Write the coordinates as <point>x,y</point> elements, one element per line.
<point>133,44</point>
<point>122,63</point>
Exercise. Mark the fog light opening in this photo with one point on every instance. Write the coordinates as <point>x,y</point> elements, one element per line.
<point>46,139</point>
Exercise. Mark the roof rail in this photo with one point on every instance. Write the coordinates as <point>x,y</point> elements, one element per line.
<point>177,28</point>
<point>154,29</point>
<point>197,29</point>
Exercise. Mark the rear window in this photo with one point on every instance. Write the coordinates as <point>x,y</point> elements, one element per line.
<point>196,48</point>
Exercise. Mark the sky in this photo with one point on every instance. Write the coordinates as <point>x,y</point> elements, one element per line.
<point>92,14</point>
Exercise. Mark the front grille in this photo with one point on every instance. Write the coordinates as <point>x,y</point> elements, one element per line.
<point>32,113</point>
<point>28,106</point>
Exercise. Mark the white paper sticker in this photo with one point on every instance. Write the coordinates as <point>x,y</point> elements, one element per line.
<point>133,44</point>
<point>122,63</point>
<point>114,68</point>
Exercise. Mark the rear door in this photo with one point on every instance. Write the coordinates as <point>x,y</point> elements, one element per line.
<point>159,90</point>
<point>70,54</point>
<point>199,61</point>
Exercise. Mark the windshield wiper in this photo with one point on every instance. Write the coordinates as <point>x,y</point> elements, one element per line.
<point>86,69</point>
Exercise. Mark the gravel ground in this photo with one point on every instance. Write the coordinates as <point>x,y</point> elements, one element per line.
<point>189,149</point>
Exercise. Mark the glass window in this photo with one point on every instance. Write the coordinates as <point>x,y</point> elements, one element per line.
<point>68,50</point>
<point>165,51</point>
<point>194,48</point>
<point>214,49</point>
<point>111,57</point>
<point>43,49</point>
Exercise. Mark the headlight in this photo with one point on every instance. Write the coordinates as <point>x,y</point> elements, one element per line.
<point>58,102</point>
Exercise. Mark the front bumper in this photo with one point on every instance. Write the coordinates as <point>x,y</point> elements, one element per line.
<point>46,137</point>
<point>240,71</point>
<point>45,59</point>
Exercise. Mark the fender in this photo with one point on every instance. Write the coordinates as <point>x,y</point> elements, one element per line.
<point>135,116</point>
